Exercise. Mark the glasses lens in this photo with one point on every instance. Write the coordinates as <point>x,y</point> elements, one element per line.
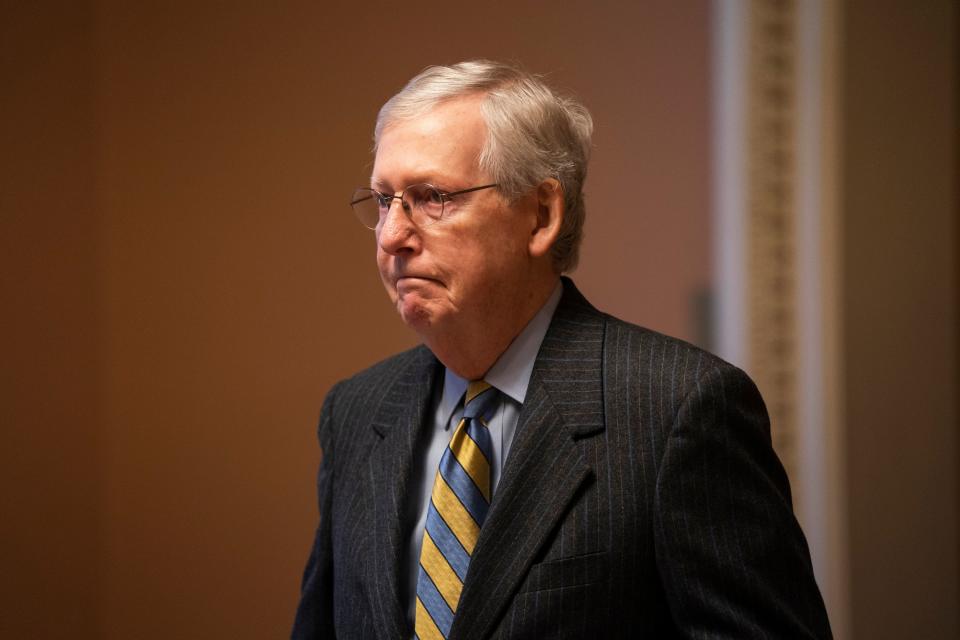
<point>422,202</point>
<point>426,203</point>
<point>366,206</point>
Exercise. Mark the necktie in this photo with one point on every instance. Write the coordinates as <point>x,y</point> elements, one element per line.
<point>458,506</point>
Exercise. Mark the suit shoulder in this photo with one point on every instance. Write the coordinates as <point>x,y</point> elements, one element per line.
<point>655,351</point>
<point>669,378</point>
<point>381,374</point>
<point>354,399</point>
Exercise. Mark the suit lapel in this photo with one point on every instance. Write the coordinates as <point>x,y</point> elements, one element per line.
<point>545,467</point>
<point>399,422</point>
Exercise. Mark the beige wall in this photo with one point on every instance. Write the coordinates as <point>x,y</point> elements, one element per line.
<point>183,281</point>
<point>49,326</point>
<point>900,205</point>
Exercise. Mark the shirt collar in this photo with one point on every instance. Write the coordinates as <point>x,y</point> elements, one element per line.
<point>511,372</point>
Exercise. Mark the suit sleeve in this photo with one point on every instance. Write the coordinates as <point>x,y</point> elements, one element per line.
<point>314,618</point>
<point>733,559</point>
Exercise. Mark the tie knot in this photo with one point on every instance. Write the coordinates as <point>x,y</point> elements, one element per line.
<point>480,400</point>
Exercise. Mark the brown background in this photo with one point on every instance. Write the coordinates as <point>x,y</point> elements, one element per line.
<point>187,280</point>
<point>901,233</point>
<point>182,281</point>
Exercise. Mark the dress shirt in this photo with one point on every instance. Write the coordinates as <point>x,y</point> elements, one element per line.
<point>510,374</point>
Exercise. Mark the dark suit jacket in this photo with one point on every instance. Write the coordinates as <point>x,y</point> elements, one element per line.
<point>641,498</point>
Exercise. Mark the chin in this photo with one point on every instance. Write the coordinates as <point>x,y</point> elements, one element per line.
<point>414,313</point>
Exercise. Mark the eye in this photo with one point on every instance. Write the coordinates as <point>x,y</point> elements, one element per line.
<point>424,196</point>
<point>383,200</point>
<point>433,197</point>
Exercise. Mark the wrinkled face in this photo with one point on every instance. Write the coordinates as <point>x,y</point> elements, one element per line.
<point>473,262</point>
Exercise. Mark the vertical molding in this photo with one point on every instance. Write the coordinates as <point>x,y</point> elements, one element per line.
<point>776,213</point>
<point>729,178</point>
<point>771,220</point>
<point>820,452</point>
<point>753,192</point>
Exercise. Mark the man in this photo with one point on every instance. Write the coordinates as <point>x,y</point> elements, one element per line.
<point>537,469</point>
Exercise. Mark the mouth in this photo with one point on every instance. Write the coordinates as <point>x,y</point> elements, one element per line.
<point>412,277</point>
<point>408,283</point>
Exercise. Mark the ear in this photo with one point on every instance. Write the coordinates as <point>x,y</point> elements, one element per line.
<point>550,210</point>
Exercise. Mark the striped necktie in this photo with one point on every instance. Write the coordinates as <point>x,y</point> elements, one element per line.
<point>458,506</point>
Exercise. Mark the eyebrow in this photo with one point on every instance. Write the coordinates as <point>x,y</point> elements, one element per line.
<point>441,182</point>
<point>380,185</point>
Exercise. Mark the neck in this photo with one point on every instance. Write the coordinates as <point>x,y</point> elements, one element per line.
<point>472,348</point>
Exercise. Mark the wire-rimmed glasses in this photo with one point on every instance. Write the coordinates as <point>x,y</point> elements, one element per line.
<point>424,203</point>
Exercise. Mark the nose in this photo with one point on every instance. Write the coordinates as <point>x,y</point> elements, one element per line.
<point>396,233</point>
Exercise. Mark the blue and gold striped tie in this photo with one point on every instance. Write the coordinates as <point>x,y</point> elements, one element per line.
<point>458,506</point>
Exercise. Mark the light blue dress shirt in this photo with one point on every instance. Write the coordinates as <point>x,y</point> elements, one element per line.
<point>510,374</point>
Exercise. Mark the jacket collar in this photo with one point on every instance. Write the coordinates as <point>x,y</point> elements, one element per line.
<point>545,468</point>
<point>541,477</point>
<point>399,423</point>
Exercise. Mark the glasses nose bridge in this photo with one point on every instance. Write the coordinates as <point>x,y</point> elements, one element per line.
<point>404,203</point>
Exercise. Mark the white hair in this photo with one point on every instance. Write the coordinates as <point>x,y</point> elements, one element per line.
<point>533,134</point>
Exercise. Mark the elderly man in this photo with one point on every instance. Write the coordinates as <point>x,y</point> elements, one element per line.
<point>537,469</point>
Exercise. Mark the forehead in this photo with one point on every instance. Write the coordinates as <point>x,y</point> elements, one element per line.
<point>442,145</point>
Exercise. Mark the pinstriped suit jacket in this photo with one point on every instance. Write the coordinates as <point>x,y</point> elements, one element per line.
<point>641,498</point>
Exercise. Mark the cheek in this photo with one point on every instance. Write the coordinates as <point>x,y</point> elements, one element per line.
<point>383,262</point>
<point>383,267</point>
<point>479,269</point>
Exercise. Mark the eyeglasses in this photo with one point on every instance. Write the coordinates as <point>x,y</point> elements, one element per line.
<point>424,203</point>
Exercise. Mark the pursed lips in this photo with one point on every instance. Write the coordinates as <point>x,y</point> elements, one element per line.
<point>413,277</point>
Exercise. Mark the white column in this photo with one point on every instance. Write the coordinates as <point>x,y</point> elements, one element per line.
<point>800,376</point>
